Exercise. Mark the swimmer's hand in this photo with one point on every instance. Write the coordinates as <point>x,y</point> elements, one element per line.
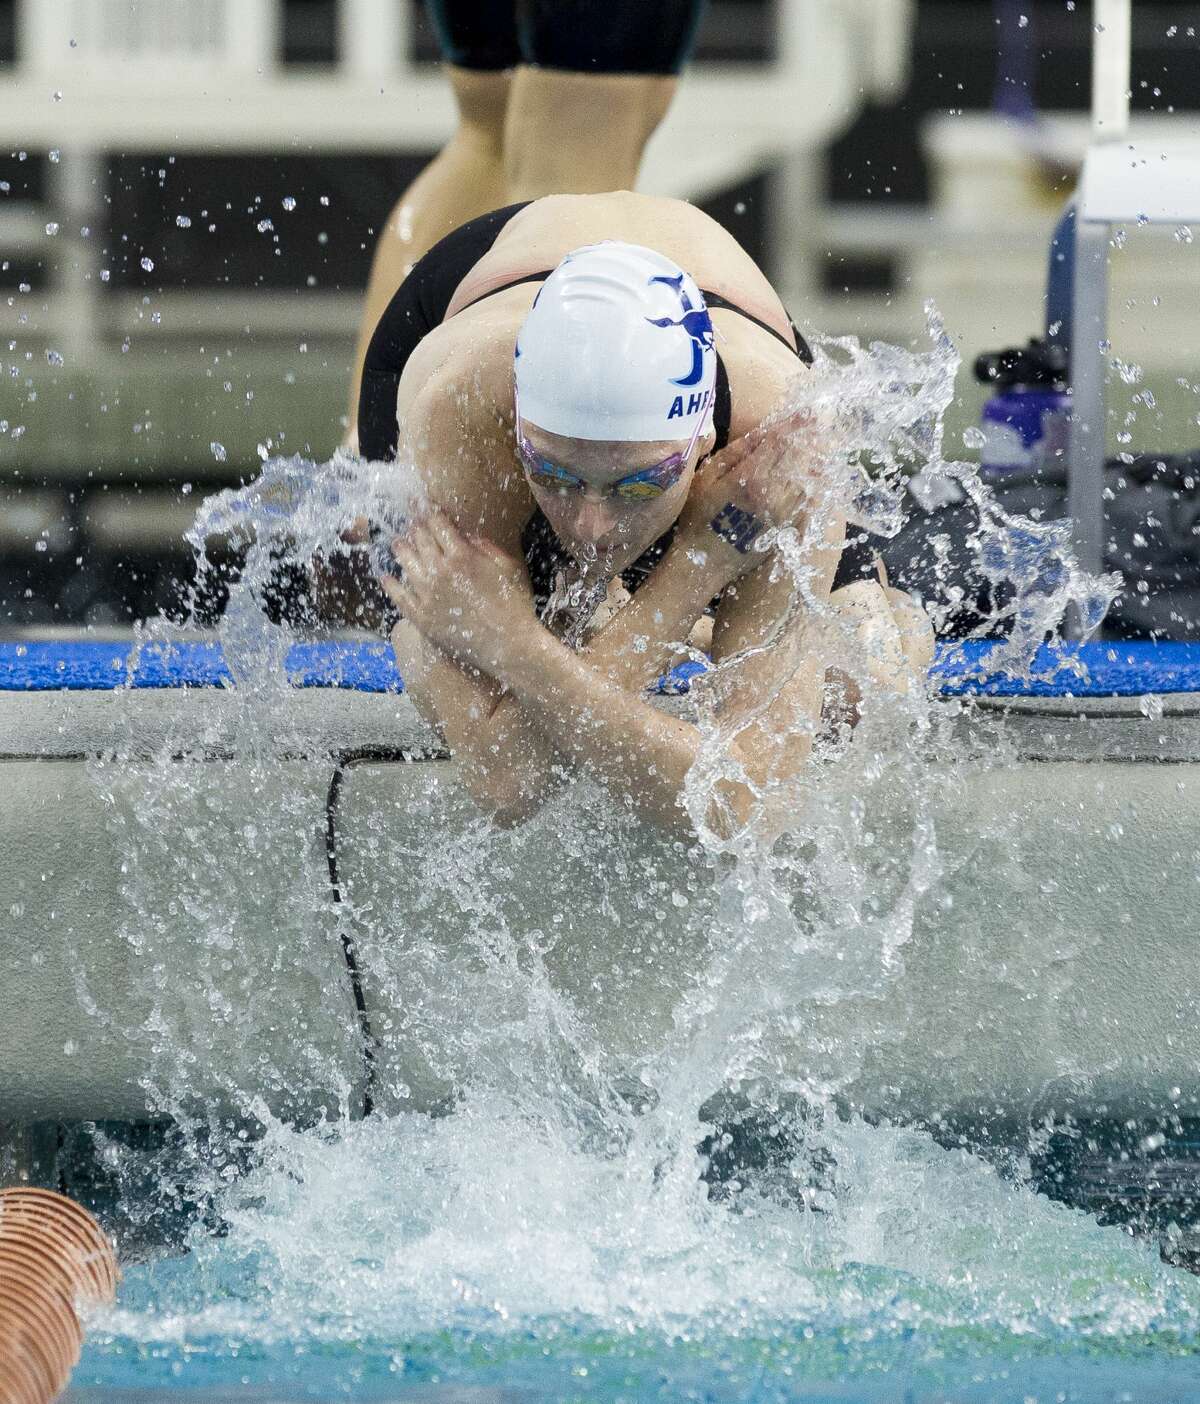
<point>463,594</point>
<point>737,495</point>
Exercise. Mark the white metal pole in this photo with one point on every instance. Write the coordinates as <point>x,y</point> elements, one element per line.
<point>1112,39</point>
<point>374,37</point>
<point>252,29</point>
<point>41,37</point>
<point>76,191</point>
<point>1085,487</point>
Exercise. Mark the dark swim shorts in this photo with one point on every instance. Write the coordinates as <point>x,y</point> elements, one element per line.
<point>581,36</point>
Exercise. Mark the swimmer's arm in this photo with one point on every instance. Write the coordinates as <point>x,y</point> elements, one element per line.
<point>769,713</point>
<point>634,749</point>
<point>769,696</point>
<point>769,673</point>
<point>508,766</point>
<point>639,752</point>
<point>509,762</point>
<point>649,633</point>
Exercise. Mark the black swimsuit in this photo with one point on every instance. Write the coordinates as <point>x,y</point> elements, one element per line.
<point>420,305</point>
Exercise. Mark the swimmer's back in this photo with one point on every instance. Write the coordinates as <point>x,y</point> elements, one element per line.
<point>538,237</point>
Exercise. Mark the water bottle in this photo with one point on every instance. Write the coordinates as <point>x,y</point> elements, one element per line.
<point>1025,423</point>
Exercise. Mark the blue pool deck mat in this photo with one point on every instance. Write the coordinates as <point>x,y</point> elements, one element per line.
<point>1131,669</point>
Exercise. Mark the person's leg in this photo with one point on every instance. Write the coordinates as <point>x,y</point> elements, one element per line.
<point>580,133</point>
<point>464,180</point>
<point>598,78</point>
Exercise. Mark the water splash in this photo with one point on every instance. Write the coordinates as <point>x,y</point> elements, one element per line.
<point>615,1089</point>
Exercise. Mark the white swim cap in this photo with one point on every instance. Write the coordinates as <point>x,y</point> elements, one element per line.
<point>618,345</point>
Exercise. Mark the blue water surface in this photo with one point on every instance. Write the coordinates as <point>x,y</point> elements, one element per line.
<point>878,1362</point>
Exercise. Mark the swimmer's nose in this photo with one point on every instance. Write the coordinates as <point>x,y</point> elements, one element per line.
<point>594,519</point>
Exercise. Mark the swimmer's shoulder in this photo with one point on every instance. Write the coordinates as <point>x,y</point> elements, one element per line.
<point>763,373</point>
<point>472,351</point>
<point>456,428</point>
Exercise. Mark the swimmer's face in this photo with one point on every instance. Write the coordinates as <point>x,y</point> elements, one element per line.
<point>588,515</point>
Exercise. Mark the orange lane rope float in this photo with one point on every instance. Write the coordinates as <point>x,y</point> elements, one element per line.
<point>54,1262</point>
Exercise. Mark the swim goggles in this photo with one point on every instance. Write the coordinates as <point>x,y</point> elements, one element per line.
<point>642,486</point>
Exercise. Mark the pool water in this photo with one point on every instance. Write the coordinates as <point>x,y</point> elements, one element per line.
<point>472,1257</point>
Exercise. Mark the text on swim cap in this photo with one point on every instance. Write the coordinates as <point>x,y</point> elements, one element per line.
<point>695,404</point>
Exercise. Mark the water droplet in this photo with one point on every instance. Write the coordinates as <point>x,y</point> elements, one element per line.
<point>974,438</point>
<point>55,156</point>
<point>264,225</point>
<point>755,909</point>
<point>217,451</point>
<point>183,221</point>
<point>52,229</point>
<point>1151,706</point>
<point>147,264</point>
<point>740,207</point>
<point>1143,220</point>
<point>1022,21</point>
<point>70,1048</point>
<point>324,199</point>
<point>105,274</point>
<point>1119,238</point>
<point>57,95</point>
<point>289,202</point>
<point>55,358</point>
<point>74,43</point>
<point>322,237</point>
<point>1183,234</point>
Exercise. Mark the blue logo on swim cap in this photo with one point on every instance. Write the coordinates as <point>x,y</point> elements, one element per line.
<point>695,321</point>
